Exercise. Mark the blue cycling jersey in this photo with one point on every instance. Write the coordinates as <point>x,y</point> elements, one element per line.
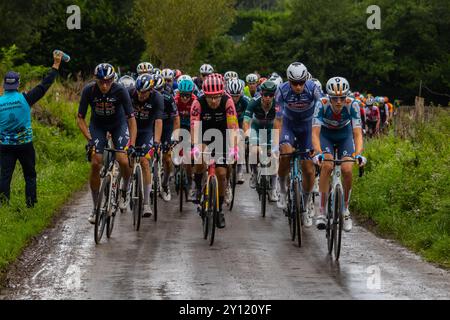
<point>15,119</point>
<point>325,116</point>
<point>297,108</point>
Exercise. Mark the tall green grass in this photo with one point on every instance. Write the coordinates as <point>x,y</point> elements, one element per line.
<point>61,170</point>
<point>406,188</point>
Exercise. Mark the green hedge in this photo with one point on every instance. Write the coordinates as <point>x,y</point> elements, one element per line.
<point>406,188</point>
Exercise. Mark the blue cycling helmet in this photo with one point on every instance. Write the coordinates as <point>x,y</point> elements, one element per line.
<point>186,86</point>
<point>144,82</point>
<point>104,71</point>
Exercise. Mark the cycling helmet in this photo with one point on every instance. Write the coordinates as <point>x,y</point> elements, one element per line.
<point>357,94</point>
<point>370,101</point>
<point>157,71</point>
<point>213,85</point>
<point>230,75</point>
<point>184,77</point>
<point>168,74</point>
<point>127,81</point>
<point>338,87</point>
<point>206,69</point>
<point>144,67</point>
<point>104,71</point>
<point>276,79</point>
<point>235,87</point>
<point>269,86</point>
<point>218,75</point>
<point>251,78</point>
<point>186,86</point>
<point>379,100</point>
<point>262,80</point>
<point>178,73</point>
<point>144,82</point>
<point>159,81</point>
<point>297,72</point>
<point>317,82</point>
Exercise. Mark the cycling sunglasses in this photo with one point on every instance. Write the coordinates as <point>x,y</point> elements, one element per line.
<point>338,98</point>
<point>185,95</point>
<point>269,94</point>
<point>297,83</point>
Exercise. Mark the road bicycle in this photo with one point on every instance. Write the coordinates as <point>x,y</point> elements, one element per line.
<point>335,206</point>
<point>137,187</point>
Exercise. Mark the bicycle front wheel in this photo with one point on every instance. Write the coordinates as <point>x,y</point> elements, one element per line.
<point>263,195</point>
<point>338,220</point>
<point>291,215</point>
<point>137,198</point>
<point>213,211</point>
<point>298,204</point>
<point>101,210</point>
<point>181,188</point>
<point>233,184</point>
<point>155,189</point>
<point>330,226</point>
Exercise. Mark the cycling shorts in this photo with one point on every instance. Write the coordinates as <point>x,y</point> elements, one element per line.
<point>298,135</point>
<point>120,136</point>
<point>342,138</point>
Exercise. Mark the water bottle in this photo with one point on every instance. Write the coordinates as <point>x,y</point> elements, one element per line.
<point>65,57</point>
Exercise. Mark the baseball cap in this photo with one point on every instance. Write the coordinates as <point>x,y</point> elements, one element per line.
<point>11,81</point>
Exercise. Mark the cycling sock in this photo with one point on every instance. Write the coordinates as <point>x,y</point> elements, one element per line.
<point>221,199</point>
<point>166,178</point>
<point>198,177</point>
<point>347,200</point>
<point>323,201</point>
<point>94,197</point>
<point>273,181</point>
<point>283,182</point>
<point>306,198</point>
<point>147,190</point>
<point>254,168</point>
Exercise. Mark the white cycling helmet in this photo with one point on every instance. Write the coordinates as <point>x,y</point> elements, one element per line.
<point>338,87</point>
<point>168,74</point>
<point>230,75</point>
<point>317,82</point>
<point>206,69</point>
<point>234,87</point>
<point>276,79</point>
<point>370,101</point>
<point>127,81</point>
<point>184,77</point>
<point>297,72</point>
<point>251,78</point>
<point>144,67</point>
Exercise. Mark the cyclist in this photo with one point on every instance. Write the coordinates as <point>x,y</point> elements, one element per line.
<point>184,101</point>
<point>168,76</point>
<point>337,122</point>
<point>205,70</point>
<point>144,67</point>
<point>148,107</point>
<point>216,111</point>
<point>252,85</point>
<point>235,89</point>
<point>384,112</point>
<point>261,114</point>
<point>111,111</point>
<point>390,108</point>
<point>373,118</point>
<point>295,101</point>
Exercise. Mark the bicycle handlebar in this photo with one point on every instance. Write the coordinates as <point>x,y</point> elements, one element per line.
<point>339,162</point>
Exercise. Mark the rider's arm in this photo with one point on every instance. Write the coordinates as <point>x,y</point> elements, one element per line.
<point>158,102</point>
<point>357,127</point>
<point>196,111</point>
<point>278,123</point>
<point>248,115</point>
<point>316,127</point>
<point>232,121</point>
<point>82,110</point>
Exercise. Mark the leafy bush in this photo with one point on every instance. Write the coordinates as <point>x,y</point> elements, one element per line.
<point>406,188</point>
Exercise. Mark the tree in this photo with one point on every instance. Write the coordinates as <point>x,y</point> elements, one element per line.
<point>175,28</point>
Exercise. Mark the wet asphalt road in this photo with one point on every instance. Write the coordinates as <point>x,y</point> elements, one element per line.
<point>252,258</point>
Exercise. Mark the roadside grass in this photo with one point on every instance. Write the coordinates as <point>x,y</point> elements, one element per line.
<point>61,170</point>
<point>406,188</point>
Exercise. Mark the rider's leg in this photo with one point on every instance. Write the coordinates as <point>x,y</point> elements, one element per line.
<point>147,173</point>
<point>94,179</point>
<point>347,175</point>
